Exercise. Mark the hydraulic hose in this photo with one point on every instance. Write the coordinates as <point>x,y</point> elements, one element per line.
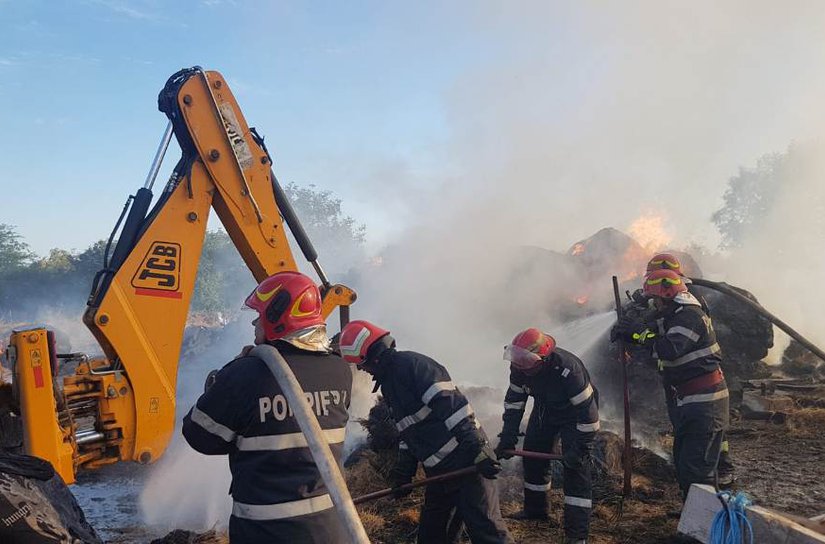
<point>318,446</point>
<point>726,289</point>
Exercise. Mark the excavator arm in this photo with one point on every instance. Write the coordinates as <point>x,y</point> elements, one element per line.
<point>122,407</point>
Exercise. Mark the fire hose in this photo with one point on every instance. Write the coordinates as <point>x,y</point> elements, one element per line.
<point>318,446</point>
<point>448,476</point>
<point>731,292</point>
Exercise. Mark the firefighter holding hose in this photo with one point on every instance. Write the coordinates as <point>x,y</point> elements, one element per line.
<point>566,406</point>
<point>438,428</point>
<point>726,470</point>
<point>681,335</point>
<point>277,490</point>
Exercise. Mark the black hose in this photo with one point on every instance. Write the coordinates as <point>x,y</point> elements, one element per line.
<point>728,290</point>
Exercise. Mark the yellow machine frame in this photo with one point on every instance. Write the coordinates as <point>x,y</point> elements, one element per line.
<point>122,407</point>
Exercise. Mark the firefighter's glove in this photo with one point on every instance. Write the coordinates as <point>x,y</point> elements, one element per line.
<point>632,330</point>
<point>505,443</point>
<point>398,478</point>
<point>639,297</point>
<point>487,466</point>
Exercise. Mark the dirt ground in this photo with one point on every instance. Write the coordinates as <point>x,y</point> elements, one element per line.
<point>782,466</point>
<point>779,465</point>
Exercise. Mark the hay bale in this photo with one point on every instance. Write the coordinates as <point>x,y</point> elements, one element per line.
<point>806,422</point>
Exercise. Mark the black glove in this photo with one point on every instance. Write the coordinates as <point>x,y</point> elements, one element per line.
<point>631,330</point>
<point>639,297</point>
<point>505,443</point>
<point>397,478</point>
<point>487,466</point>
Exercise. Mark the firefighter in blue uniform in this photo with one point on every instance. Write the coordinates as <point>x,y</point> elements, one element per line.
<point>681,336</point>
<point>437,428</point>
<point>565,406</point>
<point>278,493</point>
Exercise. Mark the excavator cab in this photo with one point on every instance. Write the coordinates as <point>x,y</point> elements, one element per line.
<point>121,407</point>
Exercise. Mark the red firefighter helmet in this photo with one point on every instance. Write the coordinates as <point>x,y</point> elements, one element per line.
<point>286,302</point>
<point>664,283</point>
<point>664,261</point>
<point>357,337</point>
<point>529,348</point>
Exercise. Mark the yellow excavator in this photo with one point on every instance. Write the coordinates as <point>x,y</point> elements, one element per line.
<point>121,407</point>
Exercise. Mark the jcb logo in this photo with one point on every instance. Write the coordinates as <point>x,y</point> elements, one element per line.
<point>159,271</point>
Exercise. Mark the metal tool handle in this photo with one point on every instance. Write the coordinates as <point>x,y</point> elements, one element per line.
<point>535,455</point>
<point>412,485</point>
<point>628,451</point>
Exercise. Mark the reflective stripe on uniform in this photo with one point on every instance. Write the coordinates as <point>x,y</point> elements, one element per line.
<point>443,452</point>
<point>583,396</point>
<point>291,509</point>
<point>414,418</point>
<point>704,397</point>
<point>459,415</point>
<point>277,442</point>
<point>692,356</point>
<point>588,427</point>
<point>435,389</point>
<point>684,331</point>
<point>576,501</point>
<point>516,389</point>
<point>515,405</point>
<point>538,487</point>
<point>211,426</point>
<point>403,446</point>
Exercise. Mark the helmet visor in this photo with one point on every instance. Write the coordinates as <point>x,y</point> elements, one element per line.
<point>520,357</point>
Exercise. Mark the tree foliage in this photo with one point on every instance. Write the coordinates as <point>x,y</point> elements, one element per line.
<point>14,252</point>
<point>63,278</point>
<point>748,198</point>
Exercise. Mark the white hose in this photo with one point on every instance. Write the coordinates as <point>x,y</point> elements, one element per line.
<point>318,446</point>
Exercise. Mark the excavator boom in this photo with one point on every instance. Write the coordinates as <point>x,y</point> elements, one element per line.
<point>122,407</point>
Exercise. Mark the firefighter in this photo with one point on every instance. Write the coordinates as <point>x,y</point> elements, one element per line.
<point>682,338</point>
<point>277,491</point>
<point>565,406</point>
<point>667,261</point>
<point>437,428</point>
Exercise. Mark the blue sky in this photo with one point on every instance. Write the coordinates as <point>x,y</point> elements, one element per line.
<point>321,81</point>
<point>464,115</point>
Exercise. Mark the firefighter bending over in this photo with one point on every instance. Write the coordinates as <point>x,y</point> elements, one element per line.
<point>681,335</point>
<point>438,428</point>
<point>566,406</point>
<point>278,494</point>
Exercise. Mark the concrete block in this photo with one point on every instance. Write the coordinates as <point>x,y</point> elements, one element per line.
<point>769,527</point>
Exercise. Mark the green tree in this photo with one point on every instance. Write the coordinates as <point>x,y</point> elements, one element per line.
<point>749,196</point>
<point>14,251</point>
<point>337,237</point>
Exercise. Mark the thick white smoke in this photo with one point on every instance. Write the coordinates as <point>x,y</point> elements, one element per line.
<point>582,115</point>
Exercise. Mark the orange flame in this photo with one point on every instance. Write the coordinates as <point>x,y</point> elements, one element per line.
<point>582,300</point>
<point>648,229</point>
<point>578,249</point>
